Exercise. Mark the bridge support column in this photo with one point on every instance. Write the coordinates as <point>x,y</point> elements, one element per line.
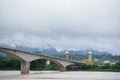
<point>62,69</point>
<point>25,67</point>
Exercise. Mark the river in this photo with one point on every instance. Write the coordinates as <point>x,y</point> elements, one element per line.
<point>56,75</point>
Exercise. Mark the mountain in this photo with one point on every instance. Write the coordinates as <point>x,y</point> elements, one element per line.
<point>53,51</point>
<point>79,55</point>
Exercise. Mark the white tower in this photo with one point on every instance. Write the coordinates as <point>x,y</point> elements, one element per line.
<point>89,62</point>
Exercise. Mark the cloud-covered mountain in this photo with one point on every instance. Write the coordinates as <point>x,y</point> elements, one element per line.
<point>52,51</point>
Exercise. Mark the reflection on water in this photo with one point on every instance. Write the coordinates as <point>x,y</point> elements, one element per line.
<point>55,75</point>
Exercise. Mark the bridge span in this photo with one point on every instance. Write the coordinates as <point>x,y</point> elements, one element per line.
<point>26,57</point>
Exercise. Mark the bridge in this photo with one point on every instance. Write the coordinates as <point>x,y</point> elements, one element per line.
<point>26,57</point>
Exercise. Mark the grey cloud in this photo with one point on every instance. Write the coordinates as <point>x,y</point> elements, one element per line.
<point>76,24</point>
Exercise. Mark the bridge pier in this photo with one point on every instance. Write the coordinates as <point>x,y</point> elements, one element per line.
<point>62,69</point>
<point>25,67</point>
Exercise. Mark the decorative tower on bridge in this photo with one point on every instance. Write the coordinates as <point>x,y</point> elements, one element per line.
<point>67,54</point>
<point>89,62</point>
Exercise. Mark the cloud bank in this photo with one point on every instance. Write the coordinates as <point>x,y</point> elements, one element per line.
<point>74,24</point>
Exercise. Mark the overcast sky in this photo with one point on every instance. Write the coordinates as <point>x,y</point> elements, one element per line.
<point>73,24</point>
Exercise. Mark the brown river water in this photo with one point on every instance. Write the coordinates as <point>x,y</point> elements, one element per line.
<point>56,75</point>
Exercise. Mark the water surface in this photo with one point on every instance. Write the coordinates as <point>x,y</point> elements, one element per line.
<point>56,75</point>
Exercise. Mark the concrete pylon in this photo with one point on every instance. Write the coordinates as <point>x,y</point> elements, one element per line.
<point>25,67</point>
<point>62,69</point>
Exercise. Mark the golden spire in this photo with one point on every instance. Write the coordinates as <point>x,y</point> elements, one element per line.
<point>67,54</point>
<point>89,62</point>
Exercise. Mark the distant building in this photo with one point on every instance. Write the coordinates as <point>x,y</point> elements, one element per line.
<point>106,62</point>
<point>47,62</point>
<point>95,60</point>
<point>113,63</point>
<point>109,62</point>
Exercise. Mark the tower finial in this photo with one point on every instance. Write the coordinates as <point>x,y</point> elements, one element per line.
<point>67,50</point>
<point>90,50</point>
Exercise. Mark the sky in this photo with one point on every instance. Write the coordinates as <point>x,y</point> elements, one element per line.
<point>72,24</point>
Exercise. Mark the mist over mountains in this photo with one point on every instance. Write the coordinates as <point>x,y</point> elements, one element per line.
<point>53,51</point>
<point>79,55</point>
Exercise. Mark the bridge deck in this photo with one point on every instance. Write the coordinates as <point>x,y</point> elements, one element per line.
<point>39,54</point>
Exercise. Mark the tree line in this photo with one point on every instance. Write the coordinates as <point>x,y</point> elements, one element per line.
<point>40,64</point>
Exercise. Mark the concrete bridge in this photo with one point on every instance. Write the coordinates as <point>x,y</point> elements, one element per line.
<point>26,57</point>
